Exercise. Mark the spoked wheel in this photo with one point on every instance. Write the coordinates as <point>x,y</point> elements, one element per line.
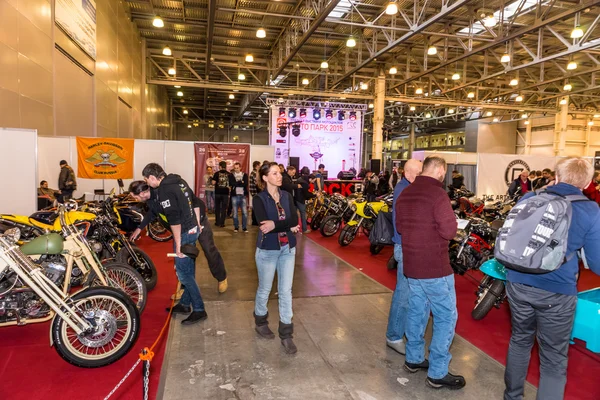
<point>145,267</point>
<point>330,225</point>
<point>315,222</point>
<point>347,235</point>
<point>125,278</point>
<point>115,327</point>
<point>158,232</point>
<point>489,296</point>
<point>375,248</point>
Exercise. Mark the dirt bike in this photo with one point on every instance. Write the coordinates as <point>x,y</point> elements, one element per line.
<point>91,328</point>
<point>362,219</point>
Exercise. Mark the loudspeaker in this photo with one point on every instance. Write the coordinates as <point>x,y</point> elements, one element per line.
<point>295,161</point>
<point>375,166</point>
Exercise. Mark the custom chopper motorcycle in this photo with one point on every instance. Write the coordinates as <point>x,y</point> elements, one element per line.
<point>91,328</point>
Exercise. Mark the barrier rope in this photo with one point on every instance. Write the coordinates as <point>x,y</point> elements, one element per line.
<point>147,354</point>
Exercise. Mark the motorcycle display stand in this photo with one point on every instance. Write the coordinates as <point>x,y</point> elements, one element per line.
<point>587,319</point>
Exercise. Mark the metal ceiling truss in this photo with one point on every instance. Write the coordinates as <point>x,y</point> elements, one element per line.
<point>272,102</point>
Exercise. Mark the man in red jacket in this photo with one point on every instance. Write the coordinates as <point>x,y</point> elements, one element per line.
<point>427,223</point>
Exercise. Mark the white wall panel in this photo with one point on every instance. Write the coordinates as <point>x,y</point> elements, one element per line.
<point>19,171</point>
<point>261,153</point>
<point>50,152</point>
<point>180,160</point>
<point>147,151</point>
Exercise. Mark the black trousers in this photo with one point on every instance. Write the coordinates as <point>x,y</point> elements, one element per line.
<point>221,203</point>
<point>213,257</point>
<point>549,317</point>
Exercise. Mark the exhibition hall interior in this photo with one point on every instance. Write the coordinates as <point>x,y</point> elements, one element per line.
<point>300,199</point>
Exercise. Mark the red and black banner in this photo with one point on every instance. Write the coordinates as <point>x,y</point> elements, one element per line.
<point>211,154</point>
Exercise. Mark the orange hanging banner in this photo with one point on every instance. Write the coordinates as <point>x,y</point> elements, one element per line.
<point>104,158</point>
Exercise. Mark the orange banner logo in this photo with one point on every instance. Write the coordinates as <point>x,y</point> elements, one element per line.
<point>102,158</point>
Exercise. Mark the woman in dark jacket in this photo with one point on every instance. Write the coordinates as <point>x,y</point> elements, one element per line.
<point>275,251</point>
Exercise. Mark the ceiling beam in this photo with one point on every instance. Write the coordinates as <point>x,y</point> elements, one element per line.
<point>516,34</point>
<point>416,30</point>
<point>212,11</point>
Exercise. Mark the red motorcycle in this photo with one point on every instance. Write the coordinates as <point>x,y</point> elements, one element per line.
<point>473,245</point>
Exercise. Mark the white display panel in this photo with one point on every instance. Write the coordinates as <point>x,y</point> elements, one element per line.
<point>334,143</point>
<point>180,160</point>
<point>261,153</point>
<point>19,171</point>
<point>147,151</point>
<point>50,152</point>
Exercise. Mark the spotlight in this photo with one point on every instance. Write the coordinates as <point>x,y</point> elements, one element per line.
<point>490,21</point>
<point>292,113</point>
<point>303,113</point>
<point>282,112</point>
<point>189,127</point>
<point>328,114</point>
<point>341,115</point>
<point>282,130</point>
<point>296,130</point>
<point>316,114</point>
<point>352,116</point>
<point>524,116</point>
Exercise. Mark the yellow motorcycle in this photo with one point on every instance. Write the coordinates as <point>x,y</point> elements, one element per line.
<point>364,217</point>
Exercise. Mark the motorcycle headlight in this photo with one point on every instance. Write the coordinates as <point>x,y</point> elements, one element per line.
<point>353,207</point>
<point>12,235</point>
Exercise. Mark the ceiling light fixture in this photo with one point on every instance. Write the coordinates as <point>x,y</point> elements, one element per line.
<point>249,58</point>
<point>489,114</point>
<point>596,115</point>
<point>158,22</point>
<point>231,96</point>
<point>176,86</point>
<point>519,98</point>
<point>261,33</point>
<point>571,65</point>
<point>567,87</point>
<point>167,51</point>
<point>189,127</point>
<point>392,8</point>
<point>577,32</point>
<point>495,119</point>
<point>351,42</point>
<point>418,90</point>
<point>524,115</point>
<point>514,82</point>
<point>172,71</point>
<point>324,65</point>
<point>471,95</point>
<point>305,81</point>
<point>451,111</point>
<point>563,102</point>
<point>180,94</point>
<point>456,76</point>
<point>428,115</point>
<point>364,86</point>
<point>393,71</point>
<point>432,50</point>
<point>527,122</point>
<point>241,77</point>
<point>185,112</point>
<point>490,21</point>
<point>590,123</point>
<point>413,108</point>
<point>505,58</point>
<point>371,105</point>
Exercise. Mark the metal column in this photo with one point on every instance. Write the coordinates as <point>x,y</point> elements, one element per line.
<point>378,118</point>
<point>560,133</point>
<point>411,141</point>
<point>528,137</point>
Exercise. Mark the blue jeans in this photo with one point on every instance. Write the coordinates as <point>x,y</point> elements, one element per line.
<point>210,199</point>
<point>399,308</point>
<point>240,202</point>
<point>186,273</point>
<point>302,208</point>
<point>438,296</point>
<point>267,262</point>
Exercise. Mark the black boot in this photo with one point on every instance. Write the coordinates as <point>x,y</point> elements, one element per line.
<point>262,326</point>
<point>286,334</point>
<point>194,317</point>
<point>449,381</point>
<point>180,309</point>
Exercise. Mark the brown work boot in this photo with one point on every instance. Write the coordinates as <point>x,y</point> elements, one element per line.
<point>223,286</point>
<point>177,295</point>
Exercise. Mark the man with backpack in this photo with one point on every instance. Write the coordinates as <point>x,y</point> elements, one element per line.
<point>538,244</point>
<point>223,181</point>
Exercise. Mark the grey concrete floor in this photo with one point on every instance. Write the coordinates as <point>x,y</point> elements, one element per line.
<point>340,319</point>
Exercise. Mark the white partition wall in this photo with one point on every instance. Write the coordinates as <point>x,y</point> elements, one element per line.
<point>50,151</point>
<point>179,158</point>
<point>261,153</point>
<point>18,164</point>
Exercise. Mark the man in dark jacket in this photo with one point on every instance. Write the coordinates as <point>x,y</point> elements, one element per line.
<point>521,185</point>
<point>223,182</point>
<point>287,180</point>
<point>67,183</point>
<point>543,180</point>
<point>140,191</point>
<point>543,305</point>
<point>176,201</point>
<point>301,194</point>
<point>238,197</point>
<point>458,181</point>
<point>426,222</point>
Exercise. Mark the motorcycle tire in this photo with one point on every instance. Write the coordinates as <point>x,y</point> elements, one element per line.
<point>315,222</point>
<point>110,301</point>
<point>487,300</point>
<point>147,270</point>
<point>158,232</point>
<point>124,278</point>
<point>392,263</point>
<point>347,235</point>
<point>375,249</point>
<point>330,225</point>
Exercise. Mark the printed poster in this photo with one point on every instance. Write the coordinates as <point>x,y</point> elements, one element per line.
<point>78,19</point>
<point>211,154</point>
<point>105,158</point>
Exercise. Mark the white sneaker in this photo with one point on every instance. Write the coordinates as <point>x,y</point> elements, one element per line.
<point>399,346</point>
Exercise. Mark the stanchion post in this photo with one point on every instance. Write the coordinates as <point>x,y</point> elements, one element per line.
<point>145,375</point>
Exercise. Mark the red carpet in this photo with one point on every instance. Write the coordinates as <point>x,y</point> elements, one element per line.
<point>491,334</point>
<point>31,369</point>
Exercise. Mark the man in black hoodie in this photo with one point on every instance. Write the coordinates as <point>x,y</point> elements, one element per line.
<point>176,201</point>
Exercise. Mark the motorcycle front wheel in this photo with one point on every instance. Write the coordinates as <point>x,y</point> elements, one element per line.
<point>487,298</point>
<point>146,267</point>
<point>158,232</point>
<point>124,278</point>
<point>347,235</point>
<point>330,225</point>
<point>116,326</point>
<point>315,222</point>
